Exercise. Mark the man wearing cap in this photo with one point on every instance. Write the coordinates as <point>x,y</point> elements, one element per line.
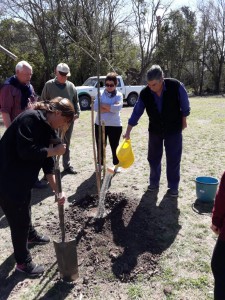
<point>61,87</point>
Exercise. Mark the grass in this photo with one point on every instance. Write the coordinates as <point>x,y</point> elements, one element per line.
<point>185,271</point>
<point>135,292</point>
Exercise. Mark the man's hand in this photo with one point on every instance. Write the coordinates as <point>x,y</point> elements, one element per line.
<point>126,136</point>
<point>127,133</point>
<point>215,229</point>
<point>184,123</point>
<point>6,119</point>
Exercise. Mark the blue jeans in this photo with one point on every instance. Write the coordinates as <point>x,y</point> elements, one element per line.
<point>173,148</point>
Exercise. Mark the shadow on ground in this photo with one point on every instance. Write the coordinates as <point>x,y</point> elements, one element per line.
<point>59,289</point>
<point>87,187</point>
<point>37,196</point>
<point>202,208</point>
<point>8,281</point>
<point>150,231</point>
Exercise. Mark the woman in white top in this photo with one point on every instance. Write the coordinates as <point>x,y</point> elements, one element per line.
<point>111,103</point>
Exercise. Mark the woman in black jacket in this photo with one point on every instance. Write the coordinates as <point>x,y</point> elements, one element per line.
<point>24,150</point>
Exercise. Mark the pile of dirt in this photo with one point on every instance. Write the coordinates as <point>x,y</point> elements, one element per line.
<point>117,245</point>
<point>123,247</point>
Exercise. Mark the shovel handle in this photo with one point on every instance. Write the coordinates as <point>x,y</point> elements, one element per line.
<point>58,183</point>
<point>61,221</point>
<point>58,196</point>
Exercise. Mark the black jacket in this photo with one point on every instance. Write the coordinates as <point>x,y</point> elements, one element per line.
<point>170,119</point>
<point>23,153</point>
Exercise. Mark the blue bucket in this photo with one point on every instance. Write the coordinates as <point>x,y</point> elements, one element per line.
<point>206,188</point>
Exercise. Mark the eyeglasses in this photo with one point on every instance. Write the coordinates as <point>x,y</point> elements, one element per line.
<point>110,85</point>
<point>62,73</point>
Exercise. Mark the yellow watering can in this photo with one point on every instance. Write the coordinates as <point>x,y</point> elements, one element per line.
<point>125,154</point>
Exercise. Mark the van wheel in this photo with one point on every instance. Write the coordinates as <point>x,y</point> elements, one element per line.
<point>132,99</point>
<point>85,102</point>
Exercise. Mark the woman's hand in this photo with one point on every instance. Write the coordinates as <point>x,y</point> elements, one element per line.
<point>105,108</point>
<point>59,149</point>
<point>60,199</point>
<point>215,229</point>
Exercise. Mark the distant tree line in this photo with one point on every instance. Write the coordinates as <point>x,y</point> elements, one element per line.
<point>125,36</point>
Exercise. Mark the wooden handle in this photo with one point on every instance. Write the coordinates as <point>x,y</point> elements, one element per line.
<point>61,221</point>
<point>58,196</point>
<point>58,182</point>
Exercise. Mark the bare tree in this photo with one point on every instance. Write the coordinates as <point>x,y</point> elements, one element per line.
<point>202,37</point>
<point>215,39</point>
<point>40,15</point>
<point>148,16</point>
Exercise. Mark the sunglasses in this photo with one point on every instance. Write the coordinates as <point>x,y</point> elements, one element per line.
<point>109,85</point>
<point>62,73</point>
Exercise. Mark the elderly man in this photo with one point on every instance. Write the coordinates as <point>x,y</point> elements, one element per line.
<point>61,87</point>
<point>167,105</point>
<point>17,94</point>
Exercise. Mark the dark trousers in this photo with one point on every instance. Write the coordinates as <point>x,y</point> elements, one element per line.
<point>218,269</point>
<point>113,133</point>
<point>67,138</point>
<point>18,214</point>
<point>173,149</point>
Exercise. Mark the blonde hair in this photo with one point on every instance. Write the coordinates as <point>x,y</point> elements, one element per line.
<point>61,104</point>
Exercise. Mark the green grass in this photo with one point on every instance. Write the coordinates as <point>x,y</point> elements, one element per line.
<point>185,264</point>
<point>135,292</point>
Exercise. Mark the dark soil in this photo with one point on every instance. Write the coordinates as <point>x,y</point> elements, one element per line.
<point>118,242</point>
<point>124,246</point>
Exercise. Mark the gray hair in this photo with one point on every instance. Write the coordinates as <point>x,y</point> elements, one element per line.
<point>155,73</point>
<point>22,64</point>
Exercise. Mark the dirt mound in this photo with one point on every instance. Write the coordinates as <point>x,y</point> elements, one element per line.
<point>116,246</point>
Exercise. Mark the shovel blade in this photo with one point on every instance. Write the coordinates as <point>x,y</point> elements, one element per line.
<point>66,254</point>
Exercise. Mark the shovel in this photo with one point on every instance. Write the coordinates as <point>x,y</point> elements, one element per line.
<point>66,252</point>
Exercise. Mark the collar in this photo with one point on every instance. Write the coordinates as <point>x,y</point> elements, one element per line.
<point>43,115</point>
<point>163,89</point>
<point>58,83</point>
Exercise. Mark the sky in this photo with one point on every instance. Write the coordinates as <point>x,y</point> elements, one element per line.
<point>180,3</point>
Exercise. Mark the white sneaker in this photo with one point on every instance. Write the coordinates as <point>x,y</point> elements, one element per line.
<point>117,169</point>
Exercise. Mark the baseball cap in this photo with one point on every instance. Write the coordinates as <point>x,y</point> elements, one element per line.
<point>64,68</point>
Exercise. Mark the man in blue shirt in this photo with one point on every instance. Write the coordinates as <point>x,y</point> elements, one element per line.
<point>167,105</point>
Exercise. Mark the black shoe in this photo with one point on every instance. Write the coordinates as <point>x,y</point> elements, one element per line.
<point>30,269</point>
<point>153,188</point>
<point>172,193</point>
<point>40,184</point>
<point>70,170</point>
<point>39,240</point>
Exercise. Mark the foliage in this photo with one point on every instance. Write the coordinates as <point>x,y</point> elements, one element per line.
<point>127,37</point>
